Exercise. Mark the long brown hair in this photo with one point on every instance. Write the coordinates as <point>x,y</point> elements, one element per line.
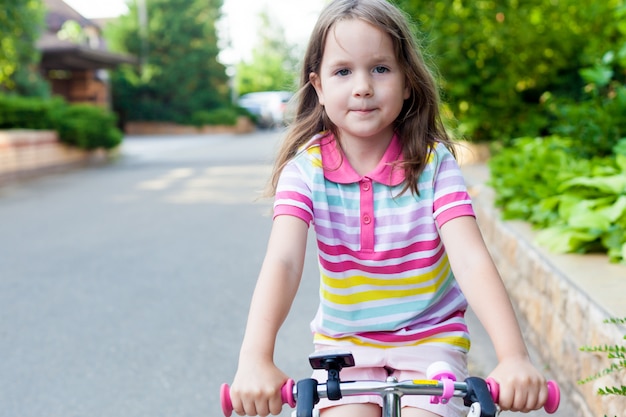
<point>419,125</point>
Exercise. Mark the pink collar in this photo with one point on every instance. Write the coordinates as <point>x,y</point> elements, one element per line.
<point>338,169</point>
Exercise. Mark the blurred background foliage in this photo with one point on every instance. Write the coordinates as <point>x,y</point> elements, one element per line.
<point>273,64</point>
<point>21,24</point>
<point>513,68</point>
<point>179,73</point>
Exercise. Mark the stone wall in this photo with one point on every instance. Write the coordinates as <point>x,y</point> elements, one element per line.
<point>561,301</point>
<point>27,153</point>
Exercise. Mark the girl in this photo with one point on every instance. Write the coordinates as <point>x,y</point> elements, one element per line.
<point>368,162</point>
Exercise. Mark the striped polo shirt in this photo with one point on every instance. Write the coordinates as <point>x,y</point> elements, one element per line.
<point>385,276</point>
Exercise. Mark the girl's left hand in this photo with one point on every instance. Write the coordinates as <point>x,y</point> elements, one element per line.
<point>522,387</point>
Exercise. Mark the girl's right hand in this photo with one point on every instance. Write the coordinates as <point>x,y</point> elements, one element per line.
<point>256,390</point>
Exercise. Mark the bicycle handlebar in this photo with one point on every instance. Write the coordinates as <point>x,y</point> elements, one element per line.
<point>287,394</point>
<point>424,387</point>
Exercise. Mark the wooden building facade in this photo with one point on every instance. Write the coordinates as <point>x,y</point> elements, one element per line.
<point>74,56</point>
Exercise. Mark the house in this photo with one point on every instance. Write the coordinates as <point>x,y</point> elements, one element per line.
<point>74,56</point>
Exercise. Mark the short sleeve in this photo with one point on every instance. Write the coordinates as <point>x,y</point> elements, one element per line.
<point>451,199</point>
<point>293,194</point>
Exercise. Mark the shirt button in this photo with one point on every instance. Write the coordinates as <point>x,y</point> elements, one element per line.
<point>367,219</point>
<point>366,186</point>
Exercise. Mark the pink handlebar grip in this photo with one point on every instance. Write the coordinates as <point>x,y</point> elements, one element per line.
<point>554,397</point>
<point>286,394</point>
<point>551,405</point>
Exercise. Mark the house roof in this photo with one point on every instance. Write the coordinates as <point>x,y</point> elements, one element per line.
<point>58,12</point>
<point>59,53</point>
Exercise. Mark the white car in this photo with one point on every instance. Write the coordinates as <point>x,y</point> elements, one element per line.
<point>267,106</point>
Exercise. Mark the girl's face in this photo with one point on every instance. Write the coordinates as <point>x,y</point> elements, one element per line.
<point>360,82</point>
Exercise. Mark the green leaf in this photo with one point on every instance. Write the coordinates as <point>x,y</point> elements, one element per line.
<point>612,184</point>
<point>592,214</point>
<point>608,58</point>
<point>599,75</point>
<point>567,206</point>
<point>546,211</point>
<point>615,245</point>
<point>585,215</point>
<point>563,239</point>
<point>620,148</point>
<point>621,26</point>
<point>620,160</point>
<point>615,210</point>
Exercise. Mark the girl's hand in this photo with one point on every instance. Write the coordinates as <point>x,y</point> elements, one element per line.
<point>256,390</point>
<point>522,387</point>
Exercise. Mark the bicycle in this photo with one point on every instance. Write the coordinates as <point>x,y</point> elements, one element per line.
<point>478,394</point>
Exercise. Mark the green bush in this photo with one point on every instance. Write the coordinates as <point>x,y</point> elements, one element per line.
<point>529,171</point>
<point>27,112</point>
<point>87,127</point>
<point>223,116</point>
<point>579,203</point>
<point>597,125</point>
<point>597,119</point>
<point>81,125</point>
<point>497,59</point>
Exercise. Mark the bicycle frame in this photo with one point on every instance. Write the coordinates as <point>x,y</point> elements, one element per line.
<point>475,392</point>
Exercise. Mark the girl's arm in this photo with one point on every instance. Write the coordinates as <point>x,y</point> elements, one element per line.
<point>522,387</point>
<point>256,387</point>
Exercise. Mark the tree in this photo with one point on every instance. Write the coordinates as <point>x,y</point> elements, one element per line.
<point>179,74</point>
<point>498,59</point>
<point>273,64</point>
<point>21,23</point>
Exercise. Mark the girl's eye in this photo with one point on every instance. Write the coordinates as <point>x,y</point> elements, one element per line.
<point>343,72</point>
<point>380,69</point>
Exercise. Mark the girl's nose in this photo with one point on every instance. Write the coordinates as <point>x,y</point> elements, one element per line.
<point>362,86</point>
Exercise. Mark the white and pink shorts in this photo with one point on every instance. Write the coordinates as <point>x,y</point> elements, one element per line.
<point>404,363</point>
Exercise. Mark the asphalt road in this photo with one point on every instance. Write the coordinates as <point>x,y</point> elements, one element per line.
<point>124,288</point>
